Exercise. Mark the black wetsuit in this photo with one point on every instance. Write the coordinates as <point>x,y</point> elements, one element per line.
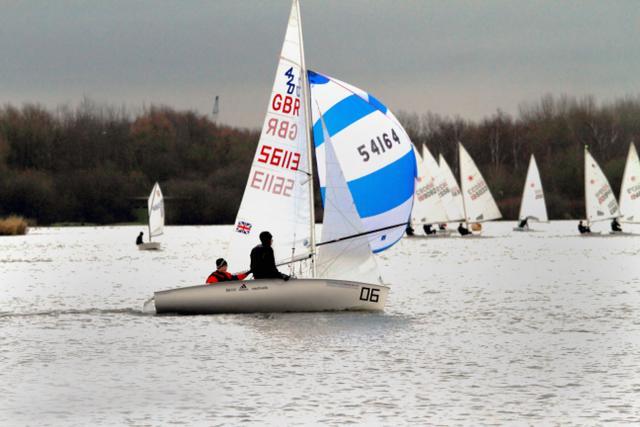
<point>409,230</point>
<point>523,223</point>
<point>428,230</point>
<point>139,239</point>
<point>263,264</point>
<point>615,225</point>
<point>463,231</point>
<point>583,229</point>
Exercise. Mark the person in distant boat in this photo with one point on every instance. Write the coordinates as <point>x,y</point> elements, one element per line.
<point>139,239</point>
<point>442,227</point>
<point>463,231</point>
<point>583,228</point>
<point>524,224</point>
<point>221,274</point>
<point>615,225</point>
<point>263,262</point>
<point>428,229</point>
<point>409,230</point>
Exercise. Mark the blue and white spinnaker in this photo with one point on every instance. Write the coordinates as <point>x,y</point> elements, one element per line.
<point>375,154</point>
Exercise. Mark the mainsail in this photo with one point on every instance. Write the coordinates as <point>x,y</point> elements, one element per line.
<point>428,207</point>
<point>277,195</point>
<point>478,204</point>
<point>155,207</point>
<point>533,205</point>
<point>374,153</point>
<point>451,196</point>
<point>600,202</point>
<point>630,189</point>
<point>345,253</point>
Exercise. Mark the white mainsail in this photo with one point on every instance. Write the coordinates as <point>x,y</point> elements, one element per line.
<point>155,208</point>
<point>277,195</point>
<point>451,195</point>
<point>600,202</point>
<point>479,205</point>
<point>630,188</point>
<point>428,207</point>
<point>533,205</point>
<point>351,258</point>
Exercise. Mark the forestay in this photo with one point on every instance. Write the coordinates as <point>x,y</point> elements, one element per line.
<point>478,202</point>
<point>374,153</point>
<point>428,207</point>
<point>600,202</point>
<point>630,189</point>
<point>155,208</point>
<point>451,196</point>
<point>533,205</point>
<point>350,258</point>
<point>276,197</point>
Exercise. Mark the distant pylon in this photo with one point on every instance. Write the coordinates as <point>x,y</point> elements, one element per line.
<point>216,109</point>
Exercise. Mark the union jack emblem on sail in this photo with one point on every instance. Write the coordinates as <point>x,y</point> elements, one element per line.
<point>243,227</point>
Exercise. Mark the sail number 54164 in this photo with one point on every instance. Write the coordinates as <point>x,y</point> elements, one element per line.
<point>378,145</point>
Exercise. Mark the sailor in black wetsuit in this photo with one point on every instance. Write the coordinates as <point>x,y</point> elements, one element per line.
<point>583,228</point>
<point>615,225</point>
<point>524,223</point>
<point>409,230</point>
<point>428,229</point>
<point>263,263</point>
<point>139,238</point>
<point>463,231</point>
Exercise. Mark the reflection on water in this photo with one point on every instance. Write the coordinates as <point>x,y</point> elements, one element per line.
<point>521,328</point>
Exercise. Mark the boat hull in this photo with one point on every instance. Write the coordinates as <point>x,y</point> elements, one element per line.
<point>272,296</point>
<point>149,246</point>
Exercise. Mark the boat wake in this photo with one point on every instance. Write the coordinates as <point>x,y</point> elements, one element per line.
<point>88,311</point>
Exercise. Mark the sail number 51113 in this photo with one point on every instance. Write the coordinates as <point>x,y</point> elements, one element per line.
<point>378,145</point>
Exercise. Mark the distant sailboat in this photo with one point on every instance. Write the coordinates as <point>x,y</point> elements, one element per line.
<point>451,196</point>
<point>428,208</point>
<point>533,206</point>
<point>630,188</point>
<point>155,209</point>
<point>340,272</point>
<point>600,202</point>
<point>478,203</point>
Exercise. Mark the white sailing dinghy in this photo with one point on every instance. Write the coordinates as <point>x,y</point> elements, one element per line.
<point>451,195</point>
<point>428,208</point>
<point>630,188</point>
<point>342,273</point>
<point>477,201</point>
<point>155,209</point>
<point>599,200</point>
<point>533,206</point>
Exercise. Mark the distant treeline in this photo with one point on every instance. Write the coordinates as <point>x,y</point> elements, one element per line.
<point>97,164</point>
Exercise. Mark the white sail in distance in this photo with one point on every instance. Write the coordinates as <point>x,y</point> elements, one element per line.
<point>451,195</point>
<point>351,258</point>
<point>630,188</point>
<point>600,202</point>
<point>155,208</point>
<point>479,204</point>
<point>428,207</point>
<point>533,205</point>
<point>277,195</point>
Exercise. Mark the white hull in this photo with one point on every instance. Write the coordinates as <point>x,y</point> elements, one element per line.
<point>149,246</point>
<point>272,296</point>
<point>591,234</point>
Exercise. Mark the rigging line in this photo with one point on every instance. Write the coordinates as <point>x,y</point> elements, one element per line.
<point>353,236</point>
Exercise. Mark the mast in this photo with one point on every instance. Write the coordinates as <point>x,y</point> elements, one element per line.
<point>586,205</point>
<point>306,93</point>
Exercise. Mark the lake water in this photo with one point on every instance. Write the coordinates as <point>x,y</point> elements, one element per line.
<point>524,329</point>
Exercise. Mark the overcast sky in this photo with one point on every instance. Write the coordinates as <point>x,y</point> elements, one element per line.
<point>464,58</point>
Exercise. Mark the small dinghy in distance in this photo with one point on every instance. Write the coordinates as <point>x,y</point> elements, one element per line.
<point>600,202</point>
<point>477,201</point>
<point>533,206</point>
<point>155,209</point>
<point>340,272</point>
